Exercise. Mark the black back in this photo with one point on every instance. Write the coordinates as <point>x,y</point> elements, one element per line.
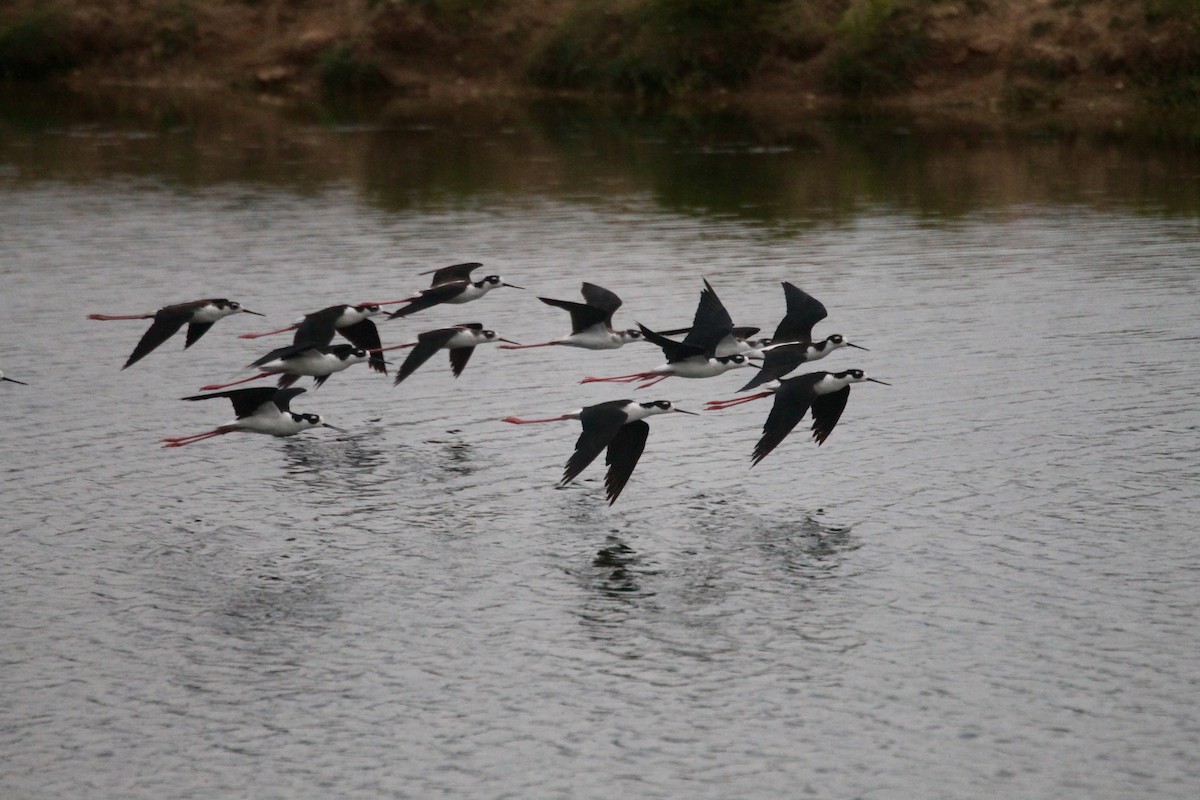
<point>317,329</point>
<point>429,298</point>
<point>673,350</point>
<point>365,335</point>
<point>453,274</point>
<point>429,343</point>
<point>247,402</point>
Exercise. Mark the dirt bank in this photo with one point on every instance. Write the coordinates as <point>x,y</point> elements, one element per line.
<point>980,57</point>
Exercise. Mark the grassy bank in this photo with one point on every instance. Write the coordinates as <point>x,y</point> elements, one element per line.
<point>1018,56</point>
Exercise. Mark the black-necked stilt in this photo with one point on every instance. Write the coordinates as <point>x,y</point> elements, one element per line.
<point>198,315</point>
<point>740,340</point>
<point>460,340</point>
<point>591,322</point>
<point>824,392</point>
<point>617,425</point>
<point>3,377</point>
<point>299,361</point>
<point>450,285</point>
<point>792,344</point>
<point>258,410</point>
<point>696,356</point>
<point>351,321</point>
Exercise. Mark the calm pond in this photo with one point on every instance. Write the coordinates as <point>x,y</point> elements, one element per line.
<point>984,584</point>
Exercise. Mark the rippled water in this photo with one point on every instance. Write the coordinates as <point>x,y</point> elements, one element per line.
<point>984,584</point>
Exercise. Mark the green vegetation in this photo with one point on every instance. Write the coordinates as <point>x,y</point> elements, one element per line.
<point>34,47</point>
<point>877,46</point>
<point>342,71</point>
<point>658,46</point>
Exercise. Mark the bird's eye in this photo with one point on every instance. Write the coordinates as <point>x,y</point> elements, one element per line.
<point>490,334</point>
<point>836,338</point>
<point>493,279</point>
<point>663,404</point>
<point>738,359</point>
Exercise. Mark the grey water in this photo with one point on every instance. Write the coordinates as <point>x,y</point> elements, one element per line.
<point>984,584</point>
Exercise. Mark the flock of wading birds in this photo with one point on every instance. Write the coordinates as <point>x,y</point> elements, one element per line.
<point>712,346</point>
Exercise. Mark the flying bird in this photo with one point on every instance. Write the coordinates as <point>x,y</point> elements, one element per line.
<point>450,285</point>
<point>697,355</point>
<point>618,425</point>
<point>258,410</point>
<point>591,322</point>
<point>352,322</point>
<point>792,344</point>
<point>198,315</point>
<point>301,360</point>
<point>825,393</point>
<point>460,340</point>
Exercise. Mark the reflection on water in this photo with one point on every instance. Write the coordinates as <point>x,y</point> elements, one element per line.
<point>982,585</point>
<point>783,170</point>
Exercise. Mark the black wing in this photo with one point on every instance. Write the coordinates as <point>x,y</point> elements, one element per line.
<point>364,334</point>
<point>744,332</point>
<point>582,316</point>
<point>167,322</point>
<point>195,331</point>
<point>453,274</point>
<point>791,403</point>
<point>601,298</point>
<point>803,312</point>
<point>459,357</point>
<point>673,350</point>
<point>248,401</point>
<point>601,423</point>
<point>777,362</point>
<point>317,329</point>
<point>428,343</point>
<point>711,324</point>
<point>430,298</point>
<point>623,453</point>
<point>827,410</point>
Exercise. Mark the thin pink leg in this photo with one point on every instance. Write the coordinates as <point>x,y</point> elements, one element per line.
<point>212,387</point>
<point>393,347</point>
<point>717,405</point>
<point>198,437</point>
<point>519,421</point>
<point>268,333</point>
<point>651,383</point>
<point>397,302</point>
<point>637,376</point>
<point>110,317</point>
<point>523,346</point>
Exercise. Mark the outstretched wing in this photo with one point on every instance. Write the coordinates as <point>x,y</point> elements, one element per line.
<point>777,362</point>
<point>582,316</point>
<point>601,298</point>
<point>317,329</point>
<point>428,343</point>
<point>195,331</point>
<point>827,410</point>
<point>673,350</point>
<point>453,274</point>
<point>364,334</point>
<point>429,298</point>
<point>600,425</point>
<point>459,357</point>
<point>711,324</point>
<point>167,321</point>
<point>803,312</point>
<point>623,453</point>
<point>791,403</point>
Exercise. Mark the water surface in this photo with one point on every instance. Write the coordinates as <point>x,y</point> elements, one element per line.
<point>984,584</point>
